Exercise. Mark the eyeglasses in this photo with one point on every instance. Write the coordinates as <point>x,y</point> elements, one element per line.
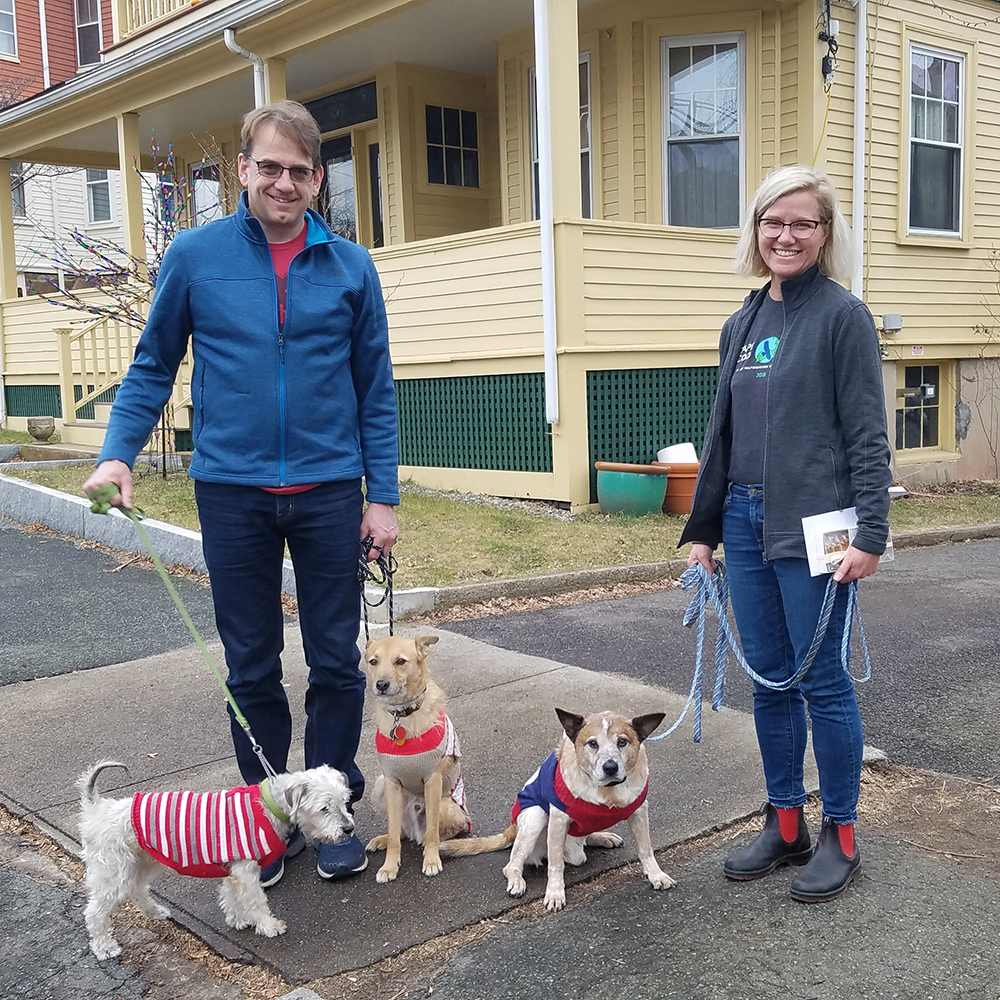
<point>802,228</point>
<point>272,171</point>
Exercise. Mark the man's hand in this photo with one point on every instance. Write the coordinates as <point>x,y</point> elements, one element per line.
<point>702,554</point>
<point>379,522</point>
<point>117,473</point>
<point>856,565</point>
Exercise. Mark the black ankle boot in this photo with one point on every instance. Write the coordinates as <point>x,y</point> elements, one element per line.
<point>830,872</point>
<point>770,849</point>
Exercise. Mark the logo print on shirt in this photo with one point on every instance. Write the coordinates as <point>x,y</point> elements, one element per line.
<point>745,354</point>
<point>766,351</point>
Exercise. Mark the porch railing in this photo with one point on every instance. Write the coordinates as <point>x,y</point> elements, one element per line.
<point>139,13</point>
<point>96,357</point>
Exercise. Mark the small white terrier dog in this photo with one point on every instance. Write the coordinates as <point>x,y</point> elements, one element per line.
<point>218,834</point>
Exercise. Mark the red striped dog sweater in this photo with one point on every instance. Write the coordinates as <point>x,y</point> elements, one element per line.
<point>201,833</point>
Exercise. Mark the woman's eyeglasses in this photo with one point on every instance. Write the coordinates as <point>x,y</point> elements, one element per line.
<point>802,228</point>
<point>272,171</point>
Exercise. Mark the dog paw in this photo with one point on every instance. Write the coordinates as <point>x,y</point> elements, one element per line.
<point>271,927</point>
<point>387,873</point>
<point>238,923</point>
<point>515,882</point>
<point>377,843</point>
<point>432,866</point>
<point>661,880</point>
<point>106,949</point>
<point>604,840</point>
<point>555,899</point>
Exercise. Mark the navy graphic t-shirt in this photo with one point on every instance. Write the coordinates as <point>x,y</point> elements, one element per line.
<point>749,393</point>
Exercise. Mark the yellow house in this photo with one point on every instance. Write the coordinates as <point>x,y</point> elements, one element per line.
<point>551,191</point>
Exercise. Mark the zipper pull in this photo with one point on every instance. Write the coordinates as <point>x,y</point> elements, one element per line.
<point>281,346</point>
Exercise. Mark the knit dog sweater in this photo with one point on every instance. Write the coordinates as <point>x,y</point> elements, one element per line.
<point>413,761</point>
<point>546,788</point>
<point>202,833</point>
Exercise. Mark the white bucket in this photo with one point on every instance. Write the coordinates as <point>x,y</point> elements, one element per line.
<point>679,453</point>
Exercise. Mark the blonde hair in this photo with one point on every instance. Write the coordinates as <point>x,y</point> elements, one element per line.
<point>291,119</point>
<point>836,256</point>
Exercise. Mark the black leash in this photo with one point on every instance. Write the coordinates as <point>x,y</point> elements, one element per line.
<point>377,572</point>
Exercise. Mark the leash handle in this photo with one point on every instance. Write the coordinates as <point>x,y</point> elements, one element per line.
<point>378,572</point>
<point>101,504</point>
<point>714,589</point>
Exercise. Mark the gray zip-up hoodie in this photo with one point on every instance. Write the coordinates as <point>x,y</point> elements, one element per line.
<point>825,446</point>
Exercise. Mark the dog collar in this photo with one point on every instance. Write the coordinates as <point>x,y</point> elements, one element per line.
<point>411,707</point>
<point>268,799</point>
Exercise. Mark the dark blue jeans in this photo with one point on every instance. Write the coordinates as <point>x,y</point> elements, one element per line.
<point>777,605</point>
<point>244,530</point>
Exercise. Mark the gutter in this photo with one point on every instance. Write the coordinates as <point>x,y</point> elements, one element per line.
<point>238,15</point>
<point>258,65</point>
<point>860,130</point>
<point>545,211</point>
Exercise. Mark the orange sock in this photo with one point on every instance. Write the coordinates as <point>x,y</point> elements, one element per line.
<point>788,823</point>
<point>846,834</point>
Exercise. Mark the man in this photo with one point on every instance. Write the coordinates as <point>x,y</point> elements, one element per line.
<point>293,402</point>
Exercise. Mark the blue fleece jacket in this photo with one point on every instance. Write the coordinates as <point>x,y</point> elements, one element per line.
<point>311,402</point>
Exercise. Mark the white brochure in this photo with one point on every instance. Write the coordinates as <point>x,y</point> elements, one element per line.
<point>828,536</point>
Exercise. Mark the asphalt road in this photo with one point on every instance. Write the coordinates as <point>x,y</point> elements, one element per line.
<point>63,608</point>
<point>932,617</point>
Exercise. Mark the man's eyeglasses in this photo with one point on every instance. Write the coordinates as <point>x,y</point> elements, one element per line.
<point>802,228</point>
<point>272,171</point>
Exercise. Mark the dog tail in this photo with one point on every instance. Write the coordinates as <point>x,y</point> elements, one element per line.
<point>461,846</point>
<point>85,783</point>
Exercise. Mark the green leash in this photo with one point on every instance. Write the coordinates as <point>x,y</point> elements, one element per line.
<point>101,504</point>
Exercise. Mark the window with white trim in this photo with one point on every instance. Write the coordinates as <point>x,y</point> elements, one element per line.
<point>17,190</point>
<point>586,160</point>
<point>703,100</point>
<point>88,32</point>
<point>8,31</point>
<point>936,130</point>
<point>918,402</point>
<point>206,192</point>
<point>98,196</point>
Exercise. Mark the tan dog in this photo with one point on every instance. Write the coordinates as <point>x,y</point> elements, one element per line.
<point>597,776</point>
<point>420,790</point>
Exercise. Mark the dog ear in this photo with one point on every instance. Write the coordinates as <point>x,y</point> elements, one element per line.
<point>423,641</point>
<point>368,646</point>
<point>294,793</point>
<point>570,722</point>
<point>645,724</point>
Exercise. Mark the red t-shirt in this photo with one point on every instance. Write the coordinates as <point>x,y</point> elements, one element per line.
<point>281,257</point>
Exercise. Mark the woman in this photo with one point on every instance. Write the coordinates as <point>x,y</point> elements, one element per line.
<point>798,428</point>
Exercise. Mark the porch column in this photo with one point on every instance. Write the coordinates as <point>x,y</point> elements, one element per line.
<point>8,264</point>
<point>131,184</point>
<point>274,81</point>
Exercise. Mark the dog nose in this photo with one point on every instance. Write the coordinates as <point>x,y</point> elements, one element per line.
<point>610,767</point>
<point>382,685</point>
<point>348,829</point>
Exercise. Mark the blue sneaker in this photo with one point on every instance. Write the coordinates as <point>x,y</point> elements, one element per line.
<point>341,860</point>
<point>272,874</point>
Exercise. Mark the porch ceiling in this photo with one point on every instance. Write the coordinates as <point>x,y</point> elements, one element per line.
<point>205,86</point>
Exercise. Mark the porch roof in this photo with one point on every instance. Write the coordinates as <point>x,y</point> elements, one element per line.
<point>188,81</point>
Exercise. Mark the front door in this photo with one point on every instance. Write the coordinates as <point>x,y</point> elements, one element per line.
<point>351,196</point>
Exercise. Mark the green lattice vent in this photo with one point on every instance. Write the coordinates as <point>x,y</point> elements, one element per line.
<point>632,414</point>
<point>45,401</point>
<point>492,422</point>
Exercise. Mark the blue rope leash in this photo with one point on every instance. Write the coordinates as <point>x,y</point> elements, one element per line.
<point>714,589</point>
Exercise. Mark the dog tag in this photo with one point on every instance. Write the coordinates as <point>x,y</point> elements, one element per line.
<point>398,735</point>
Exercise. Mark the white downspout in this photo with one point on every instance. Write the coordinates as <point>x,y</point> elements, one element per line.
<point>543,116</point>
<point>860,130</point>
<point>258,65</point>
<point>43,31</point>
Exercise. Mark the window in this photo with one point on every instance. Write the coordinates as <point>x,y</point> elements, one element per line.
<point>452,146</point>
<point>88,32</point>
<point>206,193</point>
<point>918,423</point>
<point>17,190</point>
<point>98,196</point>
<point>8,34</point>
<point>703,154</point>
<point>586,170</point>
<point>936,124</point>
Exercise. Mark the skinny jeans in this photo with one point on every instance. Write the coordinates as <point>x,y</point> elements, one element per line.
<point>777,605</point>
<point>244,531</point>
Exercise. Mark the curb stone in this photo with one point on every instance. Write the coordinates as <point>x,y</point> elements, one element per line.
<point>28,503</point>
<point>302,993</point>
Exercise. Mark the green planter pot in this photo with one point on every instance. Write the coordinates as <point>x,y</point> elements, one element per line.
<point>635,490</point>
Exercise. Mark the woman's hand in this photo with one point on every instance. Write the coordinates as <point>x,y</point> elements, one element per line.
<point>702,555</point>
<point>856,565</point>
